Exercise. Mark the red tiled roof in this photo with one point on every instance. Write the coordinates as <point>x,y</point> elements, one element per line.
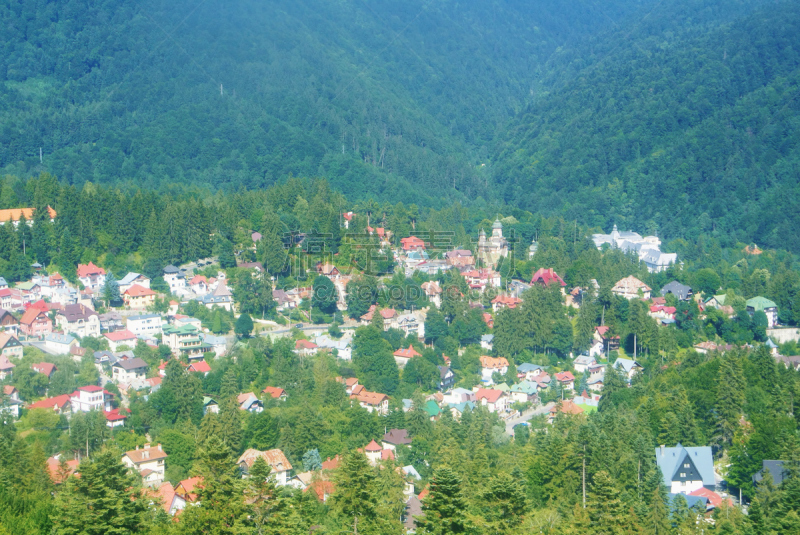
<point>493,362</point>
<point>139,291</point>
<point>305,344</point>
<point>547,276</point>
<point>370,398</point>
<point>53,466</point>
<point>713,497</point>
<point>146,454</point>
<point>44,367</point>
<point>119,336</point>
<point>116,414</point>
<point>565,376</point>
<point>187,487</point>
<point>84,270</point>
<point>509,301</point>
<point>153,381</point>
<point>166,494</point>
<point>15,214</point>
<point>8,390</point>
<point>40,305</point>
<point>198,279</point>
<point>387,455</point>
<point>31,315</point>
<point>407,353</point>
<point>275,458</point>
<point>274,391</point>
<point>90,388</point>
<point>199,367</point>
<point>488,394</point>
<point>373,446</point>
<point>51,403</point>
<point>331,464</point>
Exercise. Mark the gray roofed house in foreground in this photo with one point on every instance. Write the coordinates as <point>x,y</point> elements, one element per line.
<point>776,472</point>
<point>681,291</point>
<point>686,469</point>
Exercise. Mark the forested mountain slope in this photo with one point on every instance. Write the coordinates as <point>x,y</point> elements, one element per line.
<point>669,126</point>
<point>377,96</point>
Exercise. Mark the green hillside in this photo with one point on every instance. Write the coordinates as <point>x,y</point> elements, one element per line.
<point>685,129</point>
<point>378,96</point>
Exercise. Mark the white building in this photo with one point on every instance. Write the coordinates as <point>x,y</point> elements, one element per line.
<point>126,282</point>
<point>144,324</point>
<point>647,248</point>
<point>148,461</point>
<point>175,279</point>
<point>90,398</point>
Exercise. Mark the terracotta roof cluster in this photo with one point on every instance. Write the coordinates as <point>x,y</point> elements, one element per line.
<point>305,344</point>
<point>370,398</point>
<point>16,214</point>
<point>566,407</point>
<point>146,454</point>
<point>54,469</point>
<point>138,291</point>
<point>86,270</point>
<point>565,377</point>
<point>412,242</point>
<point>408,353</point>
<point>274,392</point>
<point>495,363</point>
<point>43,367</point>
<point>546,277</point>
<point>275,458</point>
<point>32,315</point>
<point>200,366</point>
<point>54,403</point>
<point>119,336</point>
<point>507,300</point>
<point>115,415</point>
<point>489,394</point>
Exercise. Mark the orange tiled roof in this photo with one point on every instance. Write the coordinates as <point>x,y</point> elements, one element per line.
<point>493,362</point>
<point>139,291</point>
<point>15,214</point>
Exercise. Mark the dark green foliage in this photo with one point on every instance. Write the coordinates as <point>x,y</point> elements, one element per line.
<point>325,295</point>
<point>372,355</point>
<point>444,505</point>
<point>244,325</point>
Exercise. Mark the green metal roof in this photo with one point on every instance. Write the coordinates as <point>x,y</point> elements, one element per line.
<point>760,303</point>
<point>432,408</point>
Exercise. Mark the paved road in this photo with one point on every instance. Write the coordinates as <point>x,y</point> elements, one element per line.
<point>527,415</point>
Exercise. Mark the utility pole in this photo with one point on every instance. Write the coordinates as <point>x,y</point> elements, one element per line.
<point>584,476</point>
<point>220,90</point>
<point>40,154</point>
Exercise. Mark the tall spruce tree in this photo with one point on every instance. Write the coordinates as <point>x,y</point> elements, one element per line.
<point>354,500</point>
<point>445,505</point>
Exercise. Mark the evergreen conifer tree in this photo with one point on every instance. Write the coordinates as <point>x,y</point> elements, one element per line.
<point>444,506</point>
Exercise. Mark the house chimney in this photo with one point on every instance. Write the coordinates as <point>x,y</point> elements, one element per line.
<point>662,449</point>
<point>137,448</point>
<point>159,447</point>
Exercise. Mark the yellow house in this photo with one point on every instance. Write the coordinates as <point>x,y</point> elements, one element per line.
<point>139,297</point>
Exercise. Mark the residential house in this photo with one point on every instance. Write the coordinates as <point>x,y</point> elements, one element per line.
<point>457,409</point>
<point>129,371</point>
<point>493,400</point>
<point>180,320</point>
<point>217,344</point>
<point>60,404</point>
<point>480,279</point>
<point>305,347</point>
<point>582,363</point>
<point>433,292</point>
<point>35,323</point>
<point>662,312</point>
<point>646,248</point>
<point>153,383</point>
<point>91,276</point>
<point>596,379</point>
<point>199,285</point>
<point>58,472</point>
<point>412,243</point>
<point>487,341</point>
<point>602,334</point>
<point>524,391</point>
<point>220,297</point>
<point>276,393</point>
<point>15,215</point>
<point>349,383</point>
<point>491,250</point>
<point>490,365</point>
<point>79,320</point>
<point>10,347</point>
<point>111,321</point>
<point>402,356</point>
<point>126,282</point>
<point>6,368</point>
<point>341,347</point>
<point>546,277</point>
<point>628,367</point>
<point>6,298</point>
<point>281,467</point>
<point>171,502</point>
<point>328,270</point>
<point>139,297</point>
<point>116,417</point>
<point>686,469</point>
<point>631,288</point>
<point>184,340</point>
<point>529,371</point>
<point>119,339</point>
<point>199,366</point>
<point>681,291</point>
<point>148,461</point>
<point>458,395</point>
<point>8,323</point>
<point>175,279</point>
<point>396,438</point>
<point>410,325</point>
<point>372,401</point>
<point>446,378</point>
<point>762,304</point>
<point>460,259</point>
<point>776,470</point>
<point>3,284</point>
<point>283,300</point>
<point>30,291</point>
<point>60,344</point>
<point>564,407</point>
<point>210,405</point>
<point>144,324</point>
<point>249,402</point>
<point>566,379</point>
<point>90,398</point>
<point>505,301</point>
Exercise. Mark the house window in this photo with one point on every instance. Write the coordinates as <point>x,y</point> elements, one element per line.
<point>686,465</point>
<point>683,474</point>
